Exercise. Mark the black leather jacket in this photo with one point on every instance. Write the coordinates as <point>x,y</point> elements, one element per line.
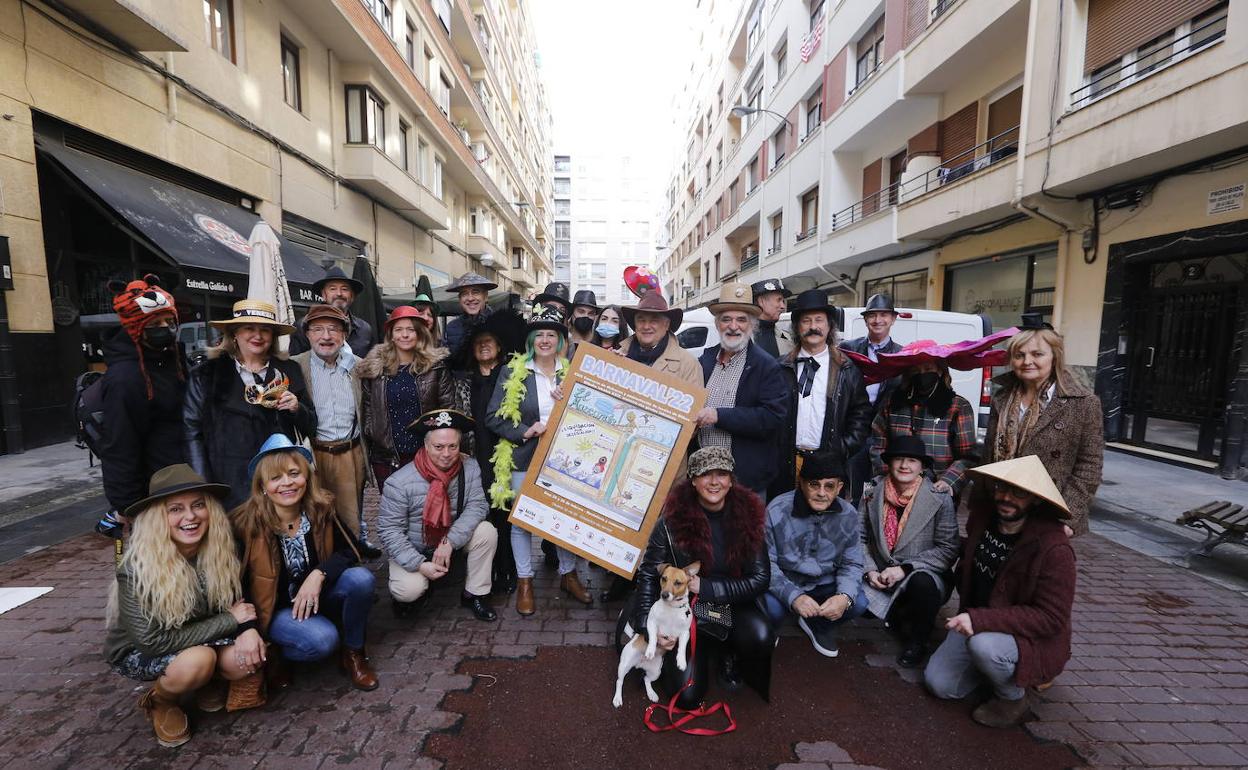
<point>847,417</point>
<point>746,586</point>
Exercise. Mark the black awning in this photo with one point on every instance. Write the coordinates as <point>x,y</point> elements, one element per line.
<point>191,229</point>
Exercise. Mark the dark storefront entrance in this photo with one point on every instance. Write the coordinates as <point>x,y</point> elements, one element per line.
<point>1172,346</point>
<point>111,213</point>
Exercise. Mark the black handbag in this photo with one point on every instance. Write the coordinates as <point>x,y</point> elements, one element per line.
<point>714,620</point>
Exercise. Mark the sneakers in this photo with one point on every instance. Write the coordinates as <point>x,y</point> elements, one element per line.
<point>822,635</point>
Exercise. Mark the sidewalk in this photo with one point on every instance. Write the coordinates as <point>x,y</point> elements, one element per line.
<point>47,495</point>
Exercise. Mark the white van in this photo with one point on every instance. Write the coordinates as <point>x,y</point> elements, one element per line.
<point>697,333</point>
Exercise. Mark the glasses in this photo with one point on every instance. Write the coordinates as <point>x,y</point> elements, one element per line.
<point>329,329</point>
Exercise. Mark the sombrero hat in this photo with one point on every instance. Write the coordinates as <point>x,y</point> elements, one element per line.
<point>963,356</point>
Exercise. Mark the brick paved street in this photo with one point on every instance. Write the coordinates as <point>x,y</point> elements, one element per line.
<point>1158,676</point>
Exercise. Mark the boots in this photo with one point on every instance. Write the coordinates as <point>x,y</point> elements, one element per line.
<point>211,697</point>
<point>525,605</point>
<point>996,712</point>
<point>571,585</point>
<point>167,717</point>
<point>355,664</point>
<point>277,673</point>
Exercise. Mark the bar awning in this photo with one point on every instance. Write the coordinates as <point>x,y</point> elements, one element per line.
<point>190,229</point>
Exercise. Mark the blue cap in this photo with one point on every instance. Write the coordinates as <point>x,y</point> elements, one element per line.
<point>278,442</point>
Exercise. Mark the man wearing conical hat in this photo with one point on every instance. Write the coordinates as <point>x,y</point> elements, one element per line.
<point>1016,584</point>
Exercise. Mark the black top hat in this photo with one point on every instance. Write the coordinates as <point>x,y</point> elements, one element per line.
<point>506,326</point>
<point>335,274</point>
<point>441,418</point>
<point>768,285</point>
<point>810,301</point>
<point>824,465</point>
<point>1034,322</point>
<point>555,292</point>
<point>902,445</point>
<point>585,298</point>
<point>547,317</point>
<point>171,480</point>
<point>878,302</point>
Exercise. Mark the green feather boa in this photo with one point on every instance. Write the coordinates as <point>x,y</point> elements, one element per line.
<point>514,391</point>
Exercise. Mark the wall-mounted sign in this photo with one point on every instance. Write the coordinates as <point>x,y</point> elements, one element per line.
<point>1226,199</point>
<point>6,267</point>
<point>214,285</point>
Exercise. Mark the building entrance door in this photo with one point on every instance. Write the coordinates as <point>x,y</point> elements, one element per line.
<point>1181,332</point>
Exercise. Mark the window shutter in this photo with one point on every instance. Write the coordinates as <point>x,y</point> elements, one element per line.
<point>959,132</point>
<point>1004,115</point>
<point>871,186</point>
<point>1116,27</point>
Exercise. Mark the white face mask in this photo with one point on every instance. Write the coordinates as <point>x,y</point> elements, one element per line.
<point>607,330</point>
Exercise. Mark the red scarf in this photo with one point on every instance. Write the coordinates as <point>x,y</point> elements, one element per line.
<point>895,501</point>
<point>437,514</point>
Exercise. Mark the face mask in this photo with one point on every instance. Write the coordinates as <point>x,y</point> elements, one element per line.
<point>159,337</point>
<point>926,380</point>
<point>583,324</point>
<point>607,330</point>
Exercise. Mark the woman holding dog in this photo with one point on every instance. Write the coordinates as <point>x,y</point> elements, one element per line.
<point>712,519</point>
<point>175,609</point>
<point>245,392</point>
<point>523,401</point>
<point>300,567</point>
<point>402,378</point>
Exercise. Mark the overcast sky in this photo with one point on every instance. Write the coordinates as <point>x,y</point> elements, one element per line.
<point>610,67</point>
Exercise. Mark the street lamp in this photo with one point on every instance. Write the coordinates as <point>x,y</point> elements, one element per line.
<point>742,110</point>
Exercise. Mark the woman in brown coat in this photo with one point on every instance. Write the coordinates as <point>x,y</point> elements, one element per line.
<point>401,379</point>
<point>1041,409</point>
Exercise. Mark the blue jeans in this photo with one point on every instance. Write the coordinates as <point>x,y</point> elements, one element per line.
<point>961,664</point>
<point>349,600</point>
<point>777,611</point>
<point>522,544</point>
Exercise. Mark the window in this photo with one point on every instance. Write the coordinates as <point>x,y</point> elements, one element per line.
<point>907,289</point>
<point>563,249</point>
<point>870,47</point>
<point>563,208</point>
<point>380,9</point>
<point>814,112</point>
<point>431,69</point>
<point>810,214</point>
<point>366,117</point>
<point>816,13</point>
<point>716,267</point>
<point>782,59</point>
<point>444,95</point>
<point>219,24</point>
<point>751,175</point>
<point>563,186</point>
<point>777,233</point>
<point>778,146</point>
<point>563,229</point>
<point>732,196</point>
<point>291,89</point>
<point>708,173</point>
<point>409,46</point>
<point>443,10</point>
<point>1003,286</point>
<point>422,155</point>
<point>563,164</point>
<point>404,131</point>
<point>754,97</point>
<point>437,178</point>
<point>755,27</point>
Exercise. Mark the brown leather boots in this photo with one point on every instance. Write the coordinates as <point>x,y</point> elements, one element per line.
<point>525,604</point>
<point>167,717</point>
<point>570,584</point>
<point>355,664</point>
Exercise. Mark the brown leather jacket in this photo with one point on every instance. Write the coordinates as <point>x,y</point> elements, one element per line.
<point>435,387</point>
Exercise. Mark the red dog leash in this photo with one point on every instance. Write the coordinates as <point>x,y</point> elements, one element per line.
<point>675,722</point>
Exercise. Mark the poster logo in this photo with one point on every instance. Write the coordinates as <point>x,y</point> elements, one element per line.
<point>223,234</point>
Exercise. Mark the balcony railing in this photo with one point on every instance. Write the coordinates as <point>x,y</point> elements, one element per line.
<point>808,233</point>
<point>774,250</point>
<point>1146,62</point>
<point>940,7</point>
<point>979,157</point>
<point>750,262</point>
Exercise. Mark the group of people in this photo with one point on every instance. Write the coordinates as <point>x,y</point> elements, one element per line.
<point>821,485</point>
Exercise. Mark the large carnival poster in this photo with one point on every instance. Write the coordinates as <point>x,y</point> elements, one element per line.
<point>611,451</point>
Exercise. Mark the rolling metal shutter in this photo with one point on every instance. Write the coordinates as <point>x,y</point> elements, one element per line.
<point>1118,26</point>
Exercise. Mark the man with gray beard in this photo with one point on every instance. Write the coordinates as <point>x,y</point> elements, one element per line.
<point>746,402</point>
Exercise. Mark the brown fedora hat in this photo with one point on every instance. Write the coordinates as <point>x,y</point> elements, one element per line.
<point>653,302</point>
<point>172,480</point>
<point>319,312</point>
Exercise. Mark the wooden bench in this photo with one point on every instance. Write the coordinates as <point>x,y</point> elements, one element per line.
<point>1223,522</point>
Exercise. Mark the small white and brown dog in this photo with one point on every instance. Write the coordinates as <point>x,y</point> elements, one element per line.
<point>670,616</point>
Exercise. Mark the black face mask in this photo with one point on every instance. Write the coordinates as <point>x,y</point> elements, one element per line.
<point>583,324</point>
<point>925,381</point>
<point>159,337</point>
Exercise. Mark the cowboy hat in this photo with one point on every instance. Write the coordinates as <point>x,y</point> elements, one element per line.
<point>652,302</point>
<point>902,445</point>
<point>963,356</point>
<point>735,296</point>
<point>471,279</point>
<point>278,442</point>
<point>335,274</point>
<point>441,418</point>
<point>759,288</point>
<point>254,311</point>
<point>172,480</point>
<point>1028,474</point>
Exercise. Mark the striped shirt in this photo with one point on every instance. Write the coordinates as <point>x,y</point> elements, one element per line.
<point>333,397</point>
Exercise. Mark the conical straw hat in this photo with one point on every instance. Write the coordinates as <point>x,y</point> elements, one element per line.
<point>1029,474</point>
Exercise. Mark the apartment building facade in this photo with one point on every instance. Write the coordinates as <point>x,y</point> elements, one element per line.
<point>603,222</point>
<point>1083,159</point>
<point>146,136</point>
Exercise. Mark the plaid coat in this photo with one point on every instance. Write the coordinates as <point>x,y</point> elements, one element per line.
<point>945,422</point>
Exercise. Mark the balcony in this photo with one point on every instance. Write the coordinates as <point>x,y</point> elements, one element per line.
<point>963,39</point>
<point>868,206</point>
<point>973,188</point>
<point>380,176</point>
<point>876,107</point>
<point>137,22</point>
<point>484,249</point>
